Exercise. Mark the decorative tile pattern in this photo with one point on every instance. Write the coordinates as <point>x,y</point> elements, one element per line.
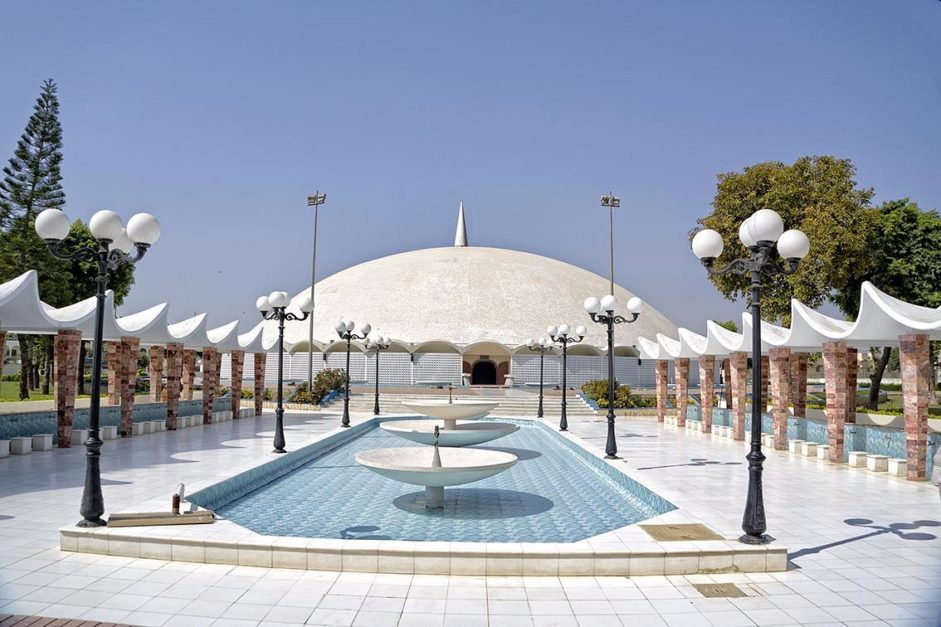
<point>237,359</point>
<point>661,389</point>
<point>707,368</point>
<point>259,366</point>
<point>799,383</point>
<point>189,373</point>
<point>210,357</point>
<point>916,389</point>
<point>174,374</point>
<point>780,359</point>
<point>834,371</point>
<point>682,390</point>
<point>156,373</point>
<point>67,342</point>
<point>739,367</point>
<point>130,349</point>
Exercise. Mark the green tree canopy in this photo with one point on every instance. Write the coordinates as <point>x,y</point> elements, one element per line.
<point>816,194</point>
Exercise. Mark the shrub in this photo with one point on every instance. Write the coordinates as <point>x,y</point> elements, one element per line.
<point>597,391</point>
<point>11,377</point>
<point>222,390</point>
<point>303,396</point>
<point>267,395</point>
<point>247,394</point>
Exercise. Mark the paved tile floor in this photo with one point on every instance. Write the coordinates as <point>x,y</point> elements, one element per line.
<point>865,549</point>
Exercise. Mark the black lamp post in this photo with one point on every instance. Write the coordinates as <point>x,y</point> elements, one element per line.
<point>113,250</point>
<point>377,344</point>
<point>759,234</point>
<point>602,312</point>
<point>345,331</point>
<point>273,307</point>
<point>561,336</point>
<point>541,346</point>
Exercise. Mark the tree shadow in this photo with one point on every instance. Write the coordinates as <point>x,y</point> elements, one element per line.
<point>695,461</point>
<point>477,504</point>
<point>901,530</point>
<point>353,533</point>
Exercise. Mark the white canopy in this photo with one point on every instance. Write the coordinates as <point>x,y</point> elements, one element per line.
<point>882,319</point>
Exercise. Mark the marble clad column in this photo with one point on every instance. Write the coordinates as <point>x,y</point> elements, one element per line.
<point>799,384</point>
<point>238,363</point>
<point>174,374</point>
<point>67,343</point>
<point>156,373</point>
<point>259,381</point>
<point>210,356</point>
<point>852,370</point>
<point>707,368</point>
<point>662,365</point>
<point>834,372</point>
<point>113,350</point>
<point>916,394</point>
<point>130,349</point>
<point>189,373</point>
<point>780,359</point>
<point>738,363</point>
<point>765,372</point>
<point>682,389</point>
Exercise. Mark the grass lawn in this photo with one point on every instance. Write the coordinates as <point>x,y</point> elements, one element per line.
<point>10,393</point>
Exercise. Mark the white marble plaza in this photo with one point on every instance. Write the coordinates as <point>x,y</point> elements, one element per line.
<point>864,548</point>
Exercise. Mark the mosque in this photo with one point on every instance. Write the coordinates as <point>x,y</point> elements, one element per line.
<point>462,314</point>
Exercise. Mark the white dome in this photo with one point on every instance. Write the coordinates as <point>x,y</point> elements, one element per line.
<point>465,295</point>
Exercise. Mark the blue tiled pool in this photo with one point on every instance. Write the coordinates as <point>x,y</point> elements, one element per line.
<point>555,493</point>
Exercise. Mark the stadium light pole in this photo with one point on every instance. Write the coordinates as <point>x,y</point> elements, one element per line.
<point>611,201</point>
<point>314,200</point>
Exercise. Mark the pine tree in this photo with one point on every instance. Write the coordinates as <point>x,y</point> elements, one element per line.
<point>32,182</point>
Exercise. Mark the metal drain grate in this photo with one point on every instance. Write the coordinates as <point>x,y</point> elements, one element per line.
<point>716,590</point>
<point>668,533</point>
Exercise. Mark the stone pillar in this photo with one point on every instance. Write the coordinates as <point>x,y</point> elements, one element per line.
<point>67,343</point>
<point>682,389</point>
<point>799,384</point>
<point>259,381</point>
<point>765,372</point>
<point>707,368</point>
<point>113,351</point>
<point>210,357</point>
<point>780,360</point>
<point>916,393</point>
<point>130,349</point>
<point>662,365</point>
<point>174,374</point>
<point>834,372</point>
<point>238,362</point>
<point>738,364</point>
<point>156,373</point>
<point>189,373</point>
<point>852,368</point>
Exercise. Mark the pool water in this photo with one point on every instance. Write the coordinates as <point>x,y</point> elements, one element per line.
<point>555,493</point>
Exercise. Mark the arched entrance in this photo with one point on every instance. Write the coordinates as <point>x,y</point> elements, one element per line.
<point>484,373</point>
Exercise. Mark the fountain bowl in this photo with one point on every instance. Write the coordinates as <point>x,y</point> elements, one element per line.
<point>452,411</point>
<point>414,465</point>
<point>462,434</point>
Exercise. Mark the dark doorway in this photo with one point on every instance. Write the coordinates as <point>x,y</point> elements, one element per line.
<point>484,373</point>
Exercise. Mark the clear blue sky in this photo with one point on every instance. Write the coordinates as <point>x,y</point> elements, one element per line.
<point>219,118</point>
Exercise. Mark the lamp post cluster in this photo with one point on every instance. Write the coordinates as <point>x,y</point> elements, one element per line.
<point>602,312</point>
<point>378,344</point>
<point>541,346</point>
<point>274,307</point>
<point>561,337</point>
<point>114,246</point>
<point>760,234</point>
<point>344,329</point>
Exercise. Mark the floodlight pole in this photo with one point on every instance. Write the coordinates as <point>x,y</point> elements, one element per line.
<point>611,201</point>
<point>314,200</point>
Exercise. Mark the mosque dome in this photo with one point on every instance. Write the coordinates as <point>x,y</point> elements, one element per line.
<point>464,295</point>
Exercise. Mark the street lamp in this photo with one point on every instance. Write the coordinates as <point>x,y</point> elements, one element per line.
<point>345,330</point>
<point>378,344</point>
<point>561,336</point>
<point>611,201</point>
<point>113,250</point>
<point>759,233</point>
<point>314,200</point>
<point>602,312</point>
<point>273,307</point>
<point>541,346</point>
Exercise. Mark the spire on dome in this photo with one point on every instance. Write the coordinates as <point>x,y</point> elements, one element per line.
<point>460,235</point>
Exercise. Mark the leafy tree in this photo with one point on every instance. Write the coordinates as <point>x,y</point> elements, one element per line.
<point>816,194</point>
<point>906,263</point>
<point>32,182</point>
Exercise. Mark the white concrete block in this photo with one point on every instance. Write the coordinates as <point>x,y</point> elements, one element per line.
<point>767,440</point>
<point>146,427</point>
<point>898,467</point>
<point>79,436</point>
<point>823,451</point>
<point>21,445</point>
<point>109,432</point>
<point>4,448</point>
<point>809,449</point>
<point>857,459</point>
<point>877,463</point>
<point>794,446</point>
<point>160,425</point>
<point>42,442</point>
<point>137,428</point>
